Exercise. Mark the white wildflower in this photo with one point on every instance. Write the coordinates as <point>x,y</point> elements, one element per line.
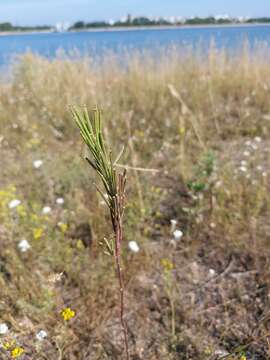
<point>218,184</point>
<point>24,245</point>
<point>243,169</point>
<point>56,278</point>
<point>14,203</point>
<point>41,335</point>
<point>133,246</point>
<point>60,201</point>
<point>3,329</point>
<point>46,210</point>
<point>246,153</point>
<point>258,139</point>
<point>243,162</point>
<point>37,164</point>
<point>248,143</point>
<point>259,168</point>
<point>264,174</point>
<point>212,272</point>
<point>177,234</point>
<point>254,146</point>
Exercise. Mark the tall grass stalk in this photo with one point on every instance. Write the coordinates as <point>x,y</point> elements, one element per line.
<point>114,184</point>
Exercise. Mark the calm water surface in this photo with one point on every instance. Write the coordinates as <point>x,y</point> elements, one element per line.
<point>96,42</point>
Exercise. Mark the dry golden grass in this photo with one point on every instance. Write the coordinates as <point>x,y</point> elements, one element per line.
<point>203,123</point>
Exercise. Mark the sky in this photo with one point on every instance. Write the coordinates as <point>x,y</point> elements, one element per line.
<point>37,12</point>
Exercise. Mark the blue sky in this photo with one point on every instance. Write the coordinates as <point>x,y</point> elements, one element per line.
<point>52,11</point>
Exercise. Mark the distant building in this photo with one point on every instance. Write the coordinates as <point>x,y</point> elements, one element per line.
<point>61,27</point>
<point>242,18</point>
<point>222,17</point>
<point>123,19</point>
<point>172,19</point>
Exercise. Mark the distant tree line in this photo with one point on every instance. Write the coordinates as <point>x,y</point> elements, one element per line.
<point>7,27</point>
<point>209,21</point>
<point>263,20</point>
<point>144,21</point>
<point>139,21</point>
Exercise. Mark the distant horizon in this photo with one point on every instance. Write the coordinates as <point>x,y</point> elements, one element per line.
<point>232,17</point>
<point>50,12</point>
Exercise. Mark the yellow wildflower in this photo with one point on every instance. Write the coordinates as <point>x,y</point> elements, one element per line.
<point>208,350</point>
<point>243,357</point>
<point>79,245</point>
<point>32,143</point>
<point>63,227</point>
<point>167,264</point>
<point>34,217</point>
<point>21,211</point>
<point>182,130</point>
<point>17,352</point>
<point>38,232</point>
<point>7,345</point>
<point>12,189</point>
<point>139,133</point>
<point>67,314</point>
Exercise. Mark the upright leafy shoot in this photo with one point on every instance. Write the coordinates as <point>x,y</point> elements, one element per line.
<point>114,184</point>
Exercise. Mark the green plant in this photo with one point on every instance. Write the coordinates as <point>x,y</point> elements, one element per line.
<point>168,266</point>
<point>202,173</point>
<point>114,184</point>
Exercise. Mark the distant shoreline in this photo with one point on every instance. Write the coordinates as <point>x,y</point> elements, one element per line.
<point>135,28</point>
<point>11,33</point>
<point>169,27</point>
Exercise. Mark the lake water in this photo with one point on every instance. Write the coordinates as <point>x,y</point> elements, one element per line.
<point>48,44</point>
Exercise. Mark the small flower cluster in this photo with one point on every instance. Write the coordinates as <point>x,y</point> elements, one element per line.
<point>63,227</point>
<point>37,164</point>
<point>12,209</point>
<point>17,352</point>
<point>37,233</point>
<point>41,335</point>
<point>177,234</point>
<point>14,350</point>
<point>24,245</point>
<point>67,314</point>
<point>133,246</point>
<point>167,265</point>
<point>3,329</point>
<point>252,148</point>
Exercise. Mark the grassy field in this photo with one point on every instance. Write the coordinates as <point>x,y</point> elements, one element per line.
<point>197,127</point>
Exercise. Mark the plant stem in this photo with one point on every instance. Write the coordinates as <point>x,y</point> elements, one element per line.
<point>118,240</point>
<point>172,317</point>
